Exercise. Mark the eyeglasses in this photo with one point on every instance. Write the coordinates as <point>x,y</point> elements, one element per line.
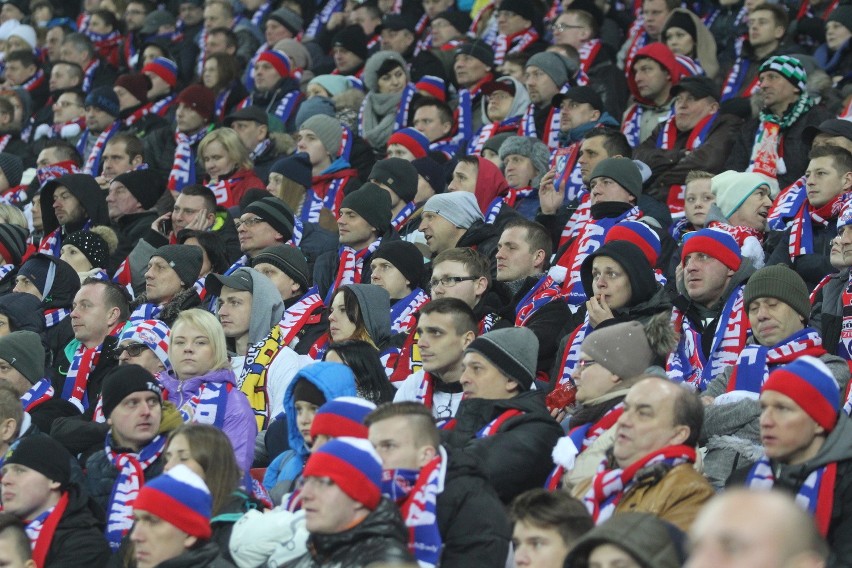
<point>585,364</point>
<point>450,281</point>
<point>133,349</point>
<point>562,27</point>
<point>321,482</point>
<point>251,222</point>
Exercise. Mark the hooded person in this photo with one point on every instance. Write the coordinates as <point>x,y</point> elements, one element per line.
<point>499,114</point>
<point>703,53</point>
<point>55,283</point>
<point>649,107</point>
<point>381,109</point>
<point>315,384</point>
<point>525,160</point>
<point>22,312</point>
<point>14,245</point>
<point>262,365</point>
<point>69,204</point>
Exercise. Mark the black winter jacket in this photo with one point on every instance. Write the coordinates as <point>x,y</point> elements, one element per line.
<point>101,474</point>
<point>205,556</point>
<point>79,540</point>
<point>380,538</point>
<point>517,457</point>
<point>130,228</point>
<point>811,267</point>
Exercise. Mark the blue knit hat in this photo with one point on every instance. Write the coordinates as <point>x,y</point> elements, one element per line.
<point>180,498</point>
<point>105,99</point>
<point>353,465</point>
<point>342,416</point>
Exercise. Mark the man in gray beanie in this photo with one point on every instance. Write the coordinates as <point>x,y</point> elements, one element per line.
<point>525,161</point>
<point>502,419</point>
<point>545,74</point>
<point>777,303</point>
<point>329,132</point>
<point>451,220</point>
<point>169,279</point>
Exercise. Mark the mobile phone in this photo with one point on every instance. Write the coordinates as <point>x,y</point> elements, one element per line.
<point>166,226</point>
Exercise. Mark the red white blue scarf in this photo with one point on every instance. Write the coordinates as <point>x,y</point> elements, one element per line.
<point>610,486</point>
<point>52,243</point>
<point>183,168</point>
<point>40,392</point>
<point>631,126</point>
<point>350,266</point>
<point>752,367</point>
<point>41,529</point>
<point>89,75</point>
<point>494,426</point>
<point>816,495</point>
<point>34,82</point>
<point>734,82</point>
<point>487,131</point>
<point>801,241</point>
<point>404,311</point>
<point>82,364</point>
<point>581,215</point>
<point>571,355</point>
<point>130,479</point>
<point>638,40</point>
<point>260,14</point>
<point>667,139</point>
<point>404,214</point>
<point>787,204</point>
<point>569,178</point>
<point>53,316</point>
<point>588,52</point>
<point>308,310</point>
<point>320,20</point>
<point>162,106</point>
<point>687,363</point>
<point>209,405</point>
<point>550,136</point>
<point>515,43</point>
<point>546,290</point>
<point>93,161</point>
<point>487,322</point>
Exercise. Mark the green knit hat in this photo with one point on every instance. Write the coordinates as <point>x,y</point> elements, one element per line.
<point>788,67</point>
<point>780,282</point>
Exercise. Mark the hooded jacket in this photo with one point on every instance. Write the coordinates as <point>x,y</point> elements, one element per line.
<point>653,114</point>
<point>24,312</point>
<point>490,184</point>
<point>520,102</point>
<point>79,541</point>
<point>239,424</point>
<point>333,380</point>
<point>705,44</point>
<point>374,303</point>
<point>205,556</point>
<point>86,190</point>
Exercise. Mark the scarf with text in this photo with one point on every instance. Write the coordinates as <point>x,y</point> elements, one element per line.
<point>844,347</point>
<point>515,43</point>
<point>93,161</point>
<point>350,266</point>
<point>569,177</point>
<point>223,189</point>
<point>56,170</point>
<point>89,74</point>
<point>487,322</point>
<point>577,222</point>
<point>262,147</point>
<point>611,485</point>
<point>320,20</point>
<point>83,363</point>
<point>41,529</point>
<point>687,363</point>
<point>816,495</point>
<point>183,167</point>
<point>307,311</point>
<point>588,52</point>
<point>787,204</point>
<point>801,240</point>
<point>320,347</point>
<point>571,355</point>
<point>404,311</point>
<point>638,40</point>
<point>546,290</point>
<point>752,367</point>
<point>582,437</point>
<point>767,156</point>
<point>590,240</point>
<point>130,479</point>
<point>667,139</point>
<point>631,125</point>
<point>416,493</point>
<point>253,380</point>
<point>209,405</point>
<point>40,392</point>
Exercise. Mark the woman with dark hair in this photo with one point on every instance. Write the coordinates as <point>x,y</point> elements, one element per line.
<point>356,311</point>
<point>215,257</point>
<point>221,74</point>
<point>371,381</point>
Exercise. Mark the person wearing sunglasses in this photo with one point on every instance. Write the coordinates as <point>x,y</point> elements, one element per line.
<point>145,343</point>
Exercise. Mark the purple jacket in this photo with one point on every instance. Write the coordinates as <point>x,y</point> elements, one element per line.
<point>240,425</point>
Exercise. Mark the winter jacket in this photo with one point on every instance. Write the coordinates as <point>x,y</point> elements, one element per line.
<point>811,267</point>
<point>101,474</point>
<point>239,423</point>
<point>827,312</point>
<point>326,266</point>
<point>380,538</point>
<point>468,500</point>
<point>609,81</point>
<point>670,167</point>
<point>206,556</point>
<point>223,520</point>
<point>90,195</point>
<point>482,237</point>
<point>223,225</point>
<point>183,300</point>
<point>315,242</point>
<point>333,380</point>
<point>79,540</point>
<point>270,100</point>
<point>159,150</point>
<point>130,228</point>
<point>264,161</point>
<point>546,322</point>
<point>66,284</point>
<point>795,149</point>
<point>515,458</point>
<point>239,182</point>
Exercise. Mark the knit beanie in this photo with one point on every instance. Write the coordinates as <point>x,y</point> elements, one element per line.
<point>530,147</point>
<point>26,33</point>
<point>353,465</point>
<point>289,260</point>
<point>13,168</point>
<point>43,454</point>
<point>105,99</point>
<point>315,106</point>
<point>145,185</point>
<point>513,350</point>
<point>405,257</point>
<point>307,391</point>
<point>296,167</point>
<point>809,382</point>
<point>523,8</point>
<point>623,171</point>
<point>93,247</point>
<point>640,274</point>
<point>398,174</point>
<point>478,49</point>
<point>164,68</point>
<point>622,349</point>
<point>683,21</point>
<point>716,244</point>
<point>374,65</point>
<point>185,260</point>
<point>179,497</point>
<point>200,99</point>
<point>352,38</point>
<point>432,86</point>
<point>458,19</point>
<point>733,188</point>
<point>333,84</point>
<point>13,243</point>
<point>125,380</point>
<point>276,213</point>
<point>372,203</point>
<point>432,172</point>
<point>36,269</point>
<point>555,66</point>
<point>788,67</point>
<point>328,130</point>
<point>279,61</point>
<point>458,207</point>
<point>842,15</point>
<point>154,334</point>
<point>342,416</point>
<point>782,283</point>
<point>639,234</point>
<point>412,140</point>
<point>137,84</point>
<point>25,353</point>
<point>289,19</point>
<point>496,142</point>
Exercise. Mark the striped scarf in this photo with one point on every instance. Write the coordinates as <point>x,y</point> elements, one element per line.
<point>308,310</point>
<point>515,43</point>
<point>550,136</point>
<point>89,75</point>
<point>350,266</point>
<point>569,178</point>
<point>404,311</point>
<point>253,380</point>
<point>41,529</point>
<point>85,361</point>
<point>667,139</point>
<point>734,82</point>
<point>767,155</point>
<point>93,161</point>
<point>752,367</point>
<point>40,392</point>
<point>209,405</point>
<point>577,222</point>
<point>571,355</point>
<point>801,240</point>
<point>53,316</point>
<point>787,204</point>
<point>547,289</point>
<point>183,167</point>
<point>403,216</point>
<point>162,106</point>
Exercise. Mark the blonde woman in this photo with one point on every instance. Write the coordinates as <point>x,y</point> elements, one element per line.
<point>228,166</point>
<point>203,385</point>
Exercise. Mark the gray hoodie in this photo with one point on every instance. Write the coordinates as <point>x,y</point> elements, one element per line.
<point>374,302</point>
<point>267,307</point>
<point>519,103</point>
